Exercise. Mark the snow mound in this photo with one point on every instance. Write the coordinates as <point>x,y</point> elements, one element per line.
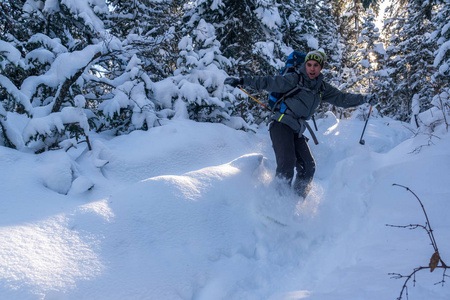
<point>182,212</point>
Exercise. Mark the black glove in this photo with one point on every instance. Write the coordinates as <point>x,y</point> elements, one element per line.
<point>233,81</point>
<point>372,99</point>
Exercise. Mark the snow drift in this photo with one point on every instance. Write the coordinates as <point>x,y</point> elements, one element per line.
<point>180,212</point>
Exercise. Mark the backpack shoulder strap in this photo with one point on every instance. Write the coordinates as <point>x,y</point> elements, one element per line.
<point>300,86</point>
<point>322,87</point>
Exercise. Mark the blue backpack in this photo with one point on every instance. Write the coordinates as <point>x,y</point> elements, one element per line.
<point>295,59</point>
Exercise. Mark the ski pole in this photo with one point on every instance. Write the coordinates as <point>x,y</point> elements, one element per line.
<point>254,98</point>
<point>361,141</point>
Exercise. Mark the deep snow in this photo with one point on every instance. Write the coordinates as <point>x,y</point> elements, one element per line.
<point>179,212</point>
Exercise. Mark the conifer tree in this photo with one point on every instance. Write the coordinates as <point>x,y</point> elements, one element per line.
<point>396,18</point>
<point>107,77</point>
<point>128,106</point>
<point>441,36</point>
<point>299,25</point>
<point>243,37</point>
<point>50,49</point>
<point>330,41</point>
<point>410,58</point>
<point>351,13</point>
<point>348,15</point>
<point>151,31</point>
<point>367,54</point>
<point>197,83</point>
<point>238,29</point>
<point>441,78</point>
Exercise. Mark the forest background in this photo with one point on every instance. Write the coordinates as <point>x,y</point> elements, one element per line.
<point>180,205</point>
<point>69,68</point>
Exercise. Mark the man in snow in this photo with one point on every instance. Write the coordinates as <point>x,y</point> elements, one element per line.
<point>289,116</point>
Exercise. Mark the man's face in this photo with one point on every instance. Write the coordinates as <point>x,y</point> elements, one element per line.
<point>313,69</point>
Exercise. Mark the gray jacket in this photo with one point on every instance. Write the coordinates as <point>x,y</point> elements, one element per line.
<point>302,105</point>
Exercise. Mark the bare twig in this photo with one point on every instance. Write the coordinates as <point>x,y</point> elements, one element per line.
<point>428,225</point>
<point>435,258</point>
<point>430,142</point>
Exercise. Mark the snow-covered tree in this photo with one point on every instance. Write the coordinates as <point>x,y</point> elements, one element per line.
<point>299,27</point>
<point>331,42</point>
<point>441,36</point>
<point>441,78</point>
<point>149,29</point>
<point>31,44</point>
<point>69,61</point>
<point>349,14</point>
<point>128,107</point>
<point>366,55</point>
<point>240,28</point>
<point>45,55</point>
<point>196,90</point>
<point>410,58</point>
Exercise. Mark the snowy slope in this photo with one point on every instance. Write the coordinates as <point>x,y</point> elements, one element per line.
<point>179,212</point>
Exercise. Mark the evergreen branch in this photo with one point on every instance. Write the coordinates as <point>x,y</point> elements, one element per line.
<point>64,89</point>
<point>3,130</point>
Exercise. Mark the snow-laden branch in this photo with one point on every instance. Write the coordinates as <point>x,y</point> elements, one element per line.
<point>55,122</point>
<point>19,97</point>
<point>65,66</point>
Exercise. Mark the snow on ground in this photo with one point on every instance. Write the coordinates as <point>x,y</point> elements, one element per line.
<point>180,212</point>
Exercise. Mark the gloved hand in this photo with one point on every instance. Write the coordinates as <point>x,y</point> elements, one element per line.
<point>233,81</point>
<point>372,99</point>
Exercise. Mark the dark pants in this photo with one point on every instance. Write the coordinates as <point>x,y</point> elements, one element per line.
<point>292,151</point>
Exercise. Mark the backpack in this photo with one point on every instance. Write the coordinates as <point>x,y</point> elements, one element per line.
<point>295,59</point>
